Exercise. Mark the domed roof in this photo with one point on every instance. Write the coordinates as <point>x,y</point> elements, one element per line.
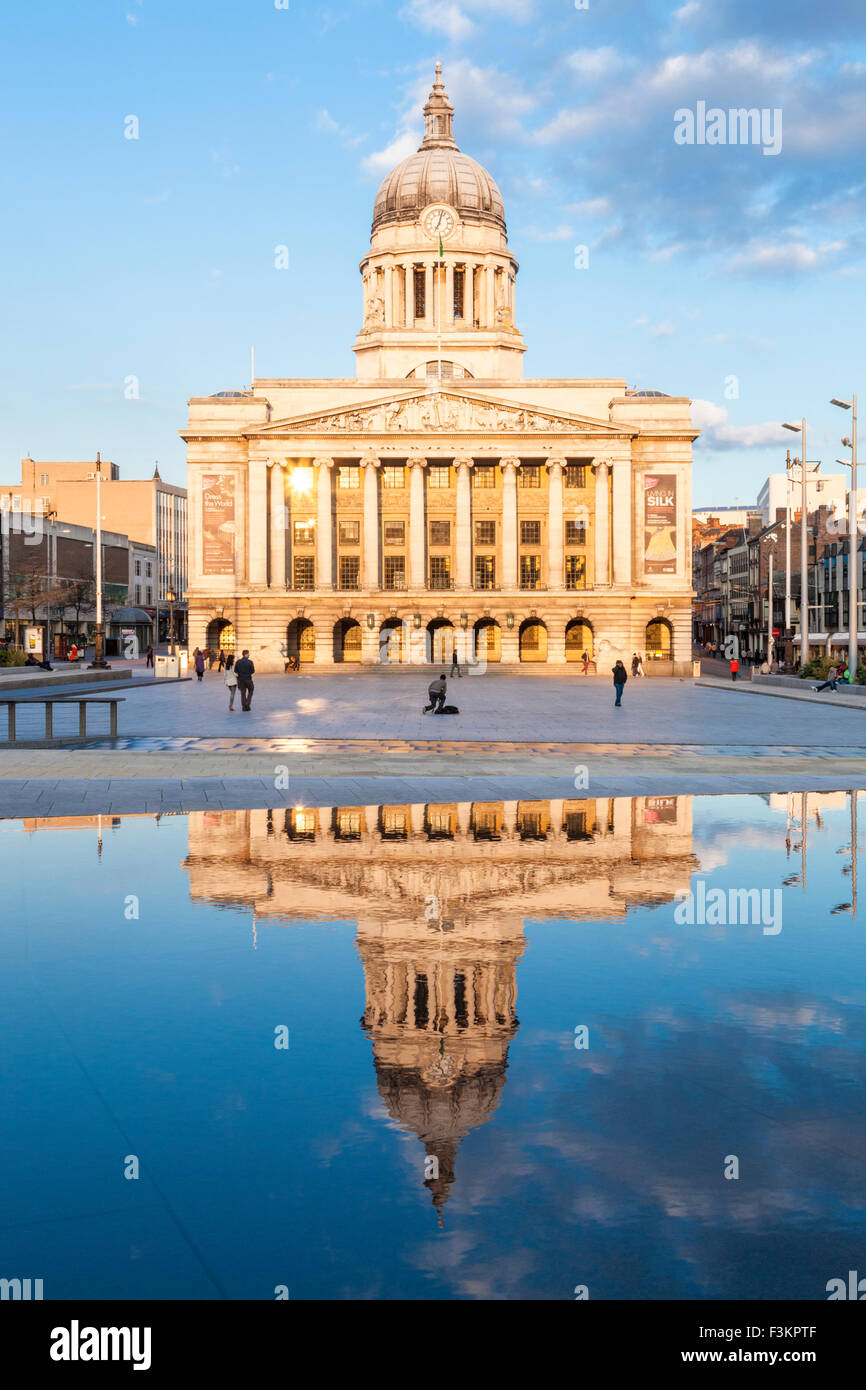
<point>438,172</point>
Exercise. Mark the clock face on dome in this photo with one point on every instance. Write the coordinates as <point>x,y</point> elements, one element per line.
<point>439,222</point>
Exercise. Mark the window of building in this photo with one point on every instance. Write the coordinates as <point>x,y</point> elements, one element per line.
<point>575,533</point>
<point>349,475</point>
<point>485,533</point>
<point>350,571</point>
<point>440,532</point>
<point>440,572</point>
<point>149,594</point>
<point>393,825</point>
<point>530,533</point>
<point>304,532</point>
<point>138,593</point>
<point>350,532</point>
<point>485,572</point>
<point>530,571</point>
<point>395,532</point>
<point>575,475</point>
<point>575,571</point>
<point>137,569</point>
<point>420,292</point>
<point>439,475</point>
<point>43,480</point>
<point>148,570</point>
<point>393,475</point>
<point>304,572</point>
<point>459,291</point>
<point>395,572</point>
<point>530,475</point>
<point>484,475</point>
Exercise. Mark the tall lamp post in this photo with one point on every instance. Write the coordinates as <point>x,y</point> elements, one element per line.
<point>170,595</point>
<point>804,548</point>
<point>853,567</point>
<point>770,542</point>
<point>99,663</point>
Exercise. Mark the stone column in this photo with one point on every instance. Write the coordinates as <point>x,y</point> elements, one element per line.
<point>509,468</point>
<point>371,523</point>
<point>602,525</point>
<point>463,571</point>
<point>389,296</point>
<point>417,547</point>
<point>257,523</point>
<point>429,296</point>
<point>622,522</point>
<point>324,538</point>
<point>468,303</point>
<point>410,295</point>
<point>555,552</point>
<point>278,527</point>
<point>489,297</point>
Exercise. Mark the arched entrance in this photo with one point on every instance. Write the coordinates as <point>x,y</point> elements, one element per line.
<point>301,641</point>
<point>440,640</point>
<point>220,636</point>
<point>488,640</point>
<point>659,640</point>
<point>533,640</point>
<point>347,641</point>
<point>391,642</point>
<point>578,639</point>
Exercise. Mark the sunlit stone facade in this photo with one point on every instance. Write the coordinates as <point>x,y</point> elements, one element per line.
<point>439,500</point>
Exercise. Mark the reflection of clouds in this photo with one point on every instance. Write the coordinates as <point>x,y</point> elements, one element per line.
<point>762,1018</point>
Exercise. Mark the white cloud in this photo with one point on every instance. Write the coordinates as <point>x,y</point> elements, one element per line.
<point>381,162</point>
<point>590,207</point>
<point>775,257</point>
<point>457,21</point>
<point>717,433</point>
<point>663,330</point>
<point>328,126</point>
<point>593,63</point>
<point>687,12</point>
<point>561,233</point>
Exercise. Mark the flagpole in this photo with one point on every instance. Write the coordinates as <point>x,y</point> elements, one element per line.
<point>440,266</point>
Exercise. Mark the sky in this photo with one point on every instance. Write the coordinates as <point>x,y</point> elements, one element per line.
<point>138,272</point>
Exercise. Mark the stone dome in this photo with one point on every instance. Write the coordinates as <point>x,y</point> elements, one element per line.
<point>438,172</point>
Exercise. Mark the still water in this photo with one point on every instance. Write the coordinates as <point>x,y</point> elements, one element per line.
<point>459,1051</point>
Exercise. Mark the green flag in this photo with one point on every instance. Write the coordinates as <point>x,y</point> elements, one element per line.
<point>441,247</point>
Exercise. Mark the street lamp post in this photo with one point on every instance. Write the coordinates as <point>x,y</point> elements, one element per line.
<point>99,663</point>
<point>770,542</point>
<point>804,548</point>
<point>853,567</point>
<point>170,596</point>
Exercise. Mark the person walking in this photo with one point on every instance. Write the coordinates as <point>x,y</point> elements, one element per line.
<point>455,665</point>
<point>245,670</point>
<point>436,690</point>
<point>149,654</point>
<point>634,663</point>
<point>585,660</point>
<point>735,668</point>
<point>830,682</point>
<point>198,662</point>
<point>221,664</point>
<point>231,682</point>
<point>640,670</point>
<point>620,676</point>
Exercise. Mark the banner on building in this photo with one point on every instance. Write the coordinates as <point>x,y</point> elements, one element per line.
<point>218,523</point>
<point>660,523</point>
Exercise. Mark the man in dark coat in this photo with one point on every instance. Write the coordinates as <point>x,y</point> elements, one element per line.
<point>245,670</point>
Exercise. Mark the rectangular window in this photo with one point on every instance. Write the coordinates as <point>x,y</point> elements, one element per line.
<point>304,532</point>
<point>439,475</point>
<point>148,570</point>
<point>530,571</point>
<point>350,532</point>
<point>485,533</point>
<point>530,475</point>
<point>440,532</point>
<point>575,571</point>
<point>304,572</point>
<point>149,594</point>
<point>575,533</point>
<point>393,475</point>
<point>395,571</point>
<point>349,475</point>
<point>440,572</point>
<point>575,475</point>
<point>350,571</point>
<point>420,292</point>
<point>459,291</point>
<point>395,532</point>
<point>138,593</point>
<point>484,475</point>
<point>530,533</point>
<point>485,572</point>
<point>138,568</point>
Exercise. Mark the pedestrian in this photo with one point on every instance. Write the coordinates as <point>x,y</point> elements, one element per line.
<point>844,674</point>
<point>585,660</point>
<point>230,661</point>
<point>830,682</point>
<point>455,665</point>
<point>73,652</point>
<point>634,663</point>
<point>735,668</point>
<point>231,683</point>
<point>620,676</point>
<point>640,669</point>
<point>221,664</point>
<point>436,690</point>
<point>210,658</point>
<point>149,661</point>
<point>198,662</point>
<point>245,670</point>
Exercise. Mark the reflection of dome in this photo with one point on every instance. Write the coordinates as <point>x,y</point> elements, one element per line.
<point>438,173</point>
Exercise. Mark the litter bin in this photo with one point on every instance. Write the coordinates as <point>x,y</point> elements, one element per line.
<point>166,667</point>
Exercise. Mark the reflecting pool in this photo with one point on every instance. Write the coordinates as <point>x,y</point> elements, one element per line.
<point>486,1050</point>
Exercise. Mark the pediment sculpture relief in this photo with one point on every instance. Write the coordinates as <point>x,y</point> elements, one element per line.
<point>436,412</point>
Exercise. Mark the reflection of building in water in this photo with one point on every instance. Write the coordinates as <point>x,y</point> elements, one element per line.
<point>441,893</point>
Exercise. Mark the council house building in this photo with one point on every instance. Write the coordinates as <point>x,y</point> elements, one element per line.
<point>439,500</point>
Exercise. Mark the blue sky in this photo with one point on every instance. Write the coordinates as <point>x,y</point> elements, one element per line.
<point>154,258</point>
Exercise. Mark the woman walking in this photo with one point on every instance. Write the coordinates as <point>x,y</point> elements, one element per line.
<point>585,660</point>
<point>620,676</point>
<point>198,662</point>
<point>231,681</point>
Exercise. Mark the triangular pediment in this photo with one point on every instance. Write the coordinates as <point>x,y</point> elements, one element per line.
<point>454,411</point>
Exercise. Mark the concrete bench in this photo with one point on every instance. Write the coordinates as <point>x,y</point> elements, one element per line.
<point>49,702</point>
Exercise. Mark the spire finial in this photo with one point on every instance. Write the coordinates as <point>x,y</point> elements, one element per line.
<point>438,116</point>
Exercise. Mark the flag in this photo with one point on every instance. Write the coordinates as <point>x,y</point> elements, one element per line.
<point>441,247</point>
